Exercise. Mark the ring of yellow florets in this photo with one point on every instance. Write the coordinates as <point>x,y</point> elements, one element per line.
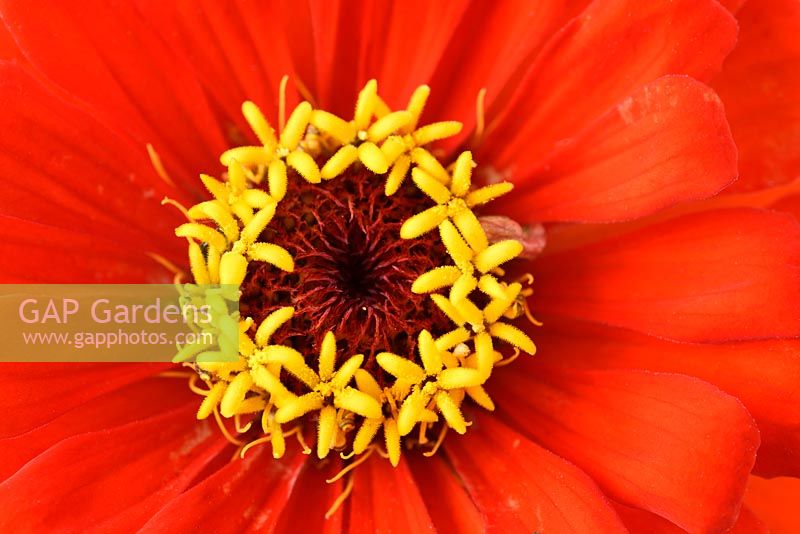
<point>345,396</point>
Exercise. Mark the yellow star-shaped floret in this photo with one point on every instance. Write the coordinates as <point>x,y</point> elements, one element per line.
<point>367,384</point>
<point>277,152</point>
<point>460,230</point>
<point>435,380</point>
<point>454,199</point>
<point>503,298</point>
<point>361,137</point>
<point>232,391</point>
<point>235,193</point>
<point>230,248</point>
<point>238,246</point>
<point>390,143</point>
<point>328,389</point>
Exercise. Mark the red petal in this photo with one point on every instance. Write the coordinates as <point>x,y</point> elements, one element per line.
<point>669,142</point>
<point>732,5</point>
<point>325,47</point>
<point>245,495</point>
<point>140,400</point>
<point>63,168</point>
<point>562,237</point>
<point>312,497</point>
<point>335,36</point>
<point>649,440</point>
<point>762,374</point>
<point>504,39</point>
<point>8,48</point>
<point>47,254</point>
<point>714,276</point>
<point>775,503</point>
<point>350,49</point>
<point>520,487</point>
<point>789,204</point>
<point>759,84</point>
<point>381,36</point>
<point>32,394</point>
<point>226,48</point>
<point>448,503</point>
<point>114,478</point>
<point>749,523</point>
<point>106,55</point>
<point>639,521</point>
<point>596,61</point>
<point>386,499</point>
<point>417,35</point>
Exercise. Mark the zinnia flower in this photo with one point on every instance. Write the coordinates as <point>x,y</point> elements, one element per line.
<point>392,260</point>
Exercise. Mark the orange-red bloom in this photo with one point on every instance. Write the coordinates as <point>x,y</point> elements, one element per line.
<point>669,358</point>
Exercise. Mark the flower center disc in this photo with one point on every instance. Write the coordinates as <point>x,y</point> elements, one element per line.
<point>353,274</point>
<point>373,301</point>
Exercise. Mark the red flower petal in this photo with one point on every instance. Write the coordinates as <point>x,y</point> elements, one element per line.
<point>649,440</point>
<point>521,487</point>
<point>759,84</point>
<point>789,204</point>
<point>226,48</point>
<point>449,505</point>
<point>388,53</point>
<point>113,479</point>
<point>562,237</point>
<point>504,39</point>
<point>46,254</point>
<point>762,374</point>
<point>732,5</point>
<point>32,394</point>
<point>61,167</point>
<point>311,499</point>
<point>8,48</point>
<point>134,402</point>
<point>398,43</point>
<point>375,42</point>
<point>640,521</point>
<point>246,495</point>
<point>749,523</point>
<point>386,499</point>
<point>775,503</point>
<point>669,142</point>
<point>331,48</point>
<point>714,276</point>
<point>109,57</point>
<point>613,48</point>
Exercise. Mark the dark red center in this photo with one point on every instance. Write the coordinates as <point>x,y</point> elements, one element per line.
<point>353,273</point>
